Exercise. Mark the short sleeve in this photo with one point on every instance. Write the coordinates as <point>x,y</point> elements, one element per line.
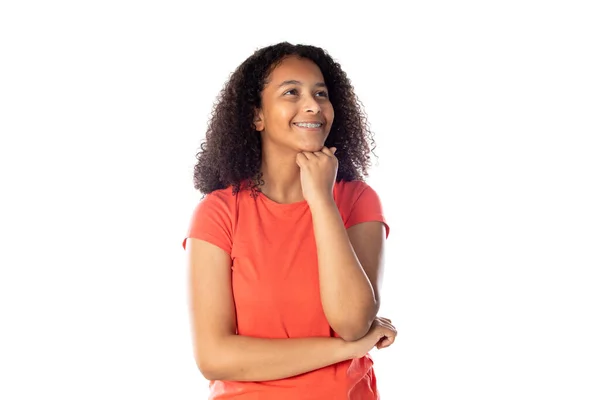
<point>211,222</point>
<point>366,206</point>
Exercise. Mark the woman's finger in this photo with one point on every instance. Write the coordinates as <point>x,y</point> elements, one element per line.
<point>386,324</point>
<point>328,151</point>
<point>301,156</point>
<point>309,155</point>
<point>386,342</point>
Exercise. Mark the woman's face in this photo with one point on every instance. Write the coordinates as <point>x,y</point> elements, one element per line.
<point>295,94</point>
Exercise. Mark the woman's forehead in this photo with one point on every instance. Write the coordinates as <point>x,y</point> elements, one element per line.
<point>294,70</point>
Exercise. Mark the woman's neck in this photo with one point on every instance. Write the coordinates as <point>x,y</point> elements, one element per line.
<point>281,176</point>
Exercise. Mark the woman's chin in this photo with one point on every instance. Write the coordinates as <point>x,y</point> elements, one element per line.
<point>311,147</point>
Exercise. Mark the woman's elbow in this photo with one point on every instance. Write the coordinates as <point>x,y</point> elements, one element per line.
<point>353,337</point>
<point>352,333</point>
<point>354,328</point>
<point>207,367</point>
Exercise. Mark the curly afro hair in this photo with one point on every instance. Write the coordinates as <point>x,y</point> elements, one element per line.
<point>230,154</point>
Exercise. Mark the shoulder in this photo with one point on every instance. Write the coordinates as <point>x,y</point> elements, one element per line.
<point>212,218</point>
<point>219,204</point>
<point>219,198</point>
<point>348,192</point>
<point>358,202</point>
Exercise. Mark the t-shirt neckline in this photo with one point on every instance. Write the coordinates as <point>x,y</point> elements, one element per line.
<point>273,203</point>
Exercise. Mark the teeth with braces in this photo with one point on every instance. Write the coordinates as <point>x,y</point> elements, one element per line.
<point>309,125</point>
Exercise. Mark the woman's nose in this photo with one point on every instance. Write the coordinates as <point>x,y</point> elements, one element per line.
<point>311,105</point>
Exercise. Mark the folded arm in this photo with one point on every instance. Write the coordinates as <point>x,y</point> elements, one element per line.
<point>219,352</point>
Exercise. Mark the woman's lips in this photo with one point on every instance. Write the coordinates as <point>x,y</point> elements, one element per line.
<point>312,128</point>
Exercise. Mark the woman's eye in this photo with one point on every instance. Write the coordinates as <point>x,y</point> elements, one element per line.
<point>295,91</point>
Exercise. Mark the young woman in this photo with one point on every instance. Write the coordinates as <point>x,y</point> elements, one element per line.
<point>285,251</point>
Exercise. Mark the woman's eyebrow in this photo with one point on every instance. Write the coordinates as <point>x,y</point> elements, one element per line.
<point>295,82</point>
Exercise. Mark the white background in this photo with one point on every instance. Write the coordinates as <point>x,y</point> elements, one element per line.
<point>486,116</point>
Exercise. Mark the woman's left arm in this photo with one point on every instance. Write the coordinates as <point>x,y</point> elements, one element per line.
<point>350,269</point>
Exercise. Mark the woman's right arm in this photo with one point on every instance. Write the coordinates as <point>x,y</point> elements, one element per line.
<point>220,353</point>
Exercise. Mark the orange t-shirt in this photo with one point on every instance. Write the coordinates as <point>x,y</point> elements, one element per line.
<point>275,283</point>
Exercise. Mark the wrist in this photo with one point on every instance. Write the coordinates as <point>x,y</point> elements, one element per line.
<point>346,350</point>
<point>322,202</point>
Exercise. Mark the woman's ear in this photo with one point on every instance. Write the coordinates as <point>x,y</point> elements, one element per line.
<point>259,123</point>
